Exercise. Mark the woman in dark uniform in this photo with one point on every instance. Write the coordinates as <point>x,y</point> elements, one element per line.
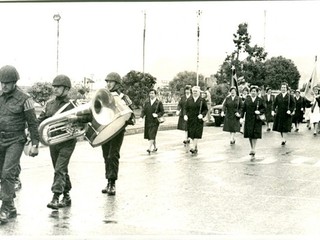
<point>282,109</point>
<point>152,109</point>
<point>268,100</point>
<point>299,111</point>
<point>231,110</point>
<point>196,109</point>
<point>253,107</point>
<point>182,124</point>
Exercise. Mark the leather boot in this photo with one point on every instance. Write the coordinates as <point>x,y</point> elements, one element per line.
<point>107,188</point>
<point>66,200</point>
<point>7,211</point>
<point>112,188</point>
<point>54,204</point>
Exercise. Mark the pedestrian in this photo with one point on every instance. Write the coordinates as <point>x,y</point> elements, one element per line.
<point>196,109</point>
<point>61,152</point>
<point>181,108</point>
<point>315,111</point>
<point>282,109</point>
<point>231,111</point>
<point>111,149</point>
<point>152,109</point>
<point>299,110</point>
<point>268,100</point>
<point>16,111</point>
<point>209,102</point>
<point>253,107</point>
<point>243,96</point>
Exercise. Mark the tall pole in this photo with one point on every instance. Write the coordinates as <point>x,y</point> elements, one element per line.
<point>264,29</point>
<point>198,38</point>
<point>144,42</point>
<point>57,18</point>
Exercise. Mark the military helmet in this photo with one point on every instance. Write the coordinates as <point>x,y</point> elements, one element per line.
<point>8,74</point>
<point>113,76</point>
<point>62,80</point>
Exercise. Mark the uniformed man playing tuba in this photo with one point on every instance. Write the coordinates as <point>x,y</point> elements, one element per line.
<point>60,152</point>
<point>16,111</point>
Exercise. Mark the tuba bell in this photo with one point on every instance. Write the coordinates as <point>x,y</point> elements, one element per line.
<point>104,116</point>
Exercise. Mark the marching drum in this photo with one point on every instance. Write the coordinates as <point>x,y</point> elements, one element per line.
<point>109,116</point>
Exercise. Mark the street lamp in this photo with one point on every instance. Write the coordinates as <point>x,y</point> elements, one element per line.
<point>57,18</point>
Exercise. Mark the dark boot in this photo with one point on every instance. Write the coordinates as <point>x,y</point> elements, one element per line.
<point>107,188</point>
<point>66,200</point>
<point>54,204</point>
<point>7,211</point>
<point>112,188</point>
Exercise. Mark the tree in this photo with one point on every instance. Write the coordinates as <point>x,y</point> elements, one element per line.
<point>185,78</point>
<point>280,69</point>
<point>41,92</point>
<point>137,85</point>
<point>219,93</point>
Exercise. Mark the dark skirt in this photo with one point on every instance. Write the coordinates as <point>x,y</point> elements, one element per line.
<point>182,124</point>
<point>151,132</point>
<point>195,128</point>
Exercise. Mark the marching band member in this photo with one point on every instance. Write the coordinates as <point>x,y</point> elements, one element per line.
<point>61,152</point>
<point>111,149</point>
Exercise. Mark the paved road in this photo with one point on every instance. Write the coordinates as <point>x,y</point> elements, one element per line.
<point>170,193</point>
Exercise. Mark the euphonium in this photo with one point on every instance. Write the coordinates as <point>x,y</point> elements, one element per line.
<point>62,126</point>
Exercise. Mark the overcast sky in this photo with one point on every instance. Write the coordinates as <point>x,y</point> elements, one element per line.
<point>97,38</point>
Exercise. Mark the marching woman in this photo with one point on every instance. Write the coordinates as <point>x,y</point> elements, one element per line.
<point>268,100</point>
<point>152,109</point>
<point>231,110</point>
<point>282,109</point>
<point>253,107</point>
<point>315,111</point>
<point>196,110</point>
<point>299,111</point>
<point>182,124</point>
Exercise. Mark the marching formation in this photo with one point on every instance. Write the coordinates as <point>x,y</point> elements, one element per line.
<point>18,122</point>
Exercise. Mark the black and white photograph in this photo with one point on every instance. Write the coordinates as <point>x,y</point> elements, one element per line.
<point>159,120</point>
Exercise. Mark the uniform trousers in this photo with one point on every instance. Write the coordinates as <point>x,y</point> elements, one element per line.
<point>10,153</point>
<point>60,155</point>
<point>111,155</point>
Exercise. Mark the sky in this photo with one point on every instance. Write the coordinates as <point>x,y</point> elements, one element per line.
<point>102,37</point>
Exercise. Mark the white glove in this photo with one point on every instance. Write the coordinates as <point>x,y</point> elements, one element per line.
<point>154,115</point>
<point>272,113</point>
<point>222,114</point>
<point>200,116</point>
<point>289,112</point>
<point>237,114</point>
<point>257,112</point>
<point>177,112</point>
<point>185,117</point>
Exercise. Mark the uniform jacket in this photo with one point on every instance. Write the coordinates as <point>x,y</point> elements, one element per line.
<point>230,107</point>
<point>148,110</point>
<point>17,112</point>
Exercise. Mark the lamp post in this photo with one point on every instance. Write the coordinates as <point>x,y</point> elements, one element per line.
<point>57,18</point>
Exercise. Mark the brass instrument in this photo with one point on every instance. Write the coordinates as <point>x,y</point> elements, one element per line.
<point>107,112</point>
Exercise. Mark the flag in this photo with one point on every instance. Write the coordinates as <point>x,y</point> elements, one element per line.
<point>234,80</point>
<point>311,83</point>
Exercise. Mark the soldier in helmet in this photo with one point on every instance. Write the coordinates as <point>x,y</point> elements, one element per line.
<point>111,149</point>
<point>60,152</point>
<point>16,111</point>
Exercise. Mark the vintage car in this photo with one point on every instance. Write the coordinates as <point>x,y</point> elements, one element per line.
<point>216,114</point>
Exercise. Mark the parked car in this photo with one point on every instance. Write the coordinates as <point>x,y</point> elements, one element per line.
<point>216,114</point>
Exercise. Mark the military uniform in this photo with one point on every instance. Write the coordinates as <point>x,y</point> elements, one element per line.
<point>111,149</point>
<point>16,111</point>
<point>61,152</point>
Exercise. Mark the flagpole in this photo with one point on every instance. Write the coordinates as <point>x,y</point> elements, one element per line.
<point>198,38</point>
